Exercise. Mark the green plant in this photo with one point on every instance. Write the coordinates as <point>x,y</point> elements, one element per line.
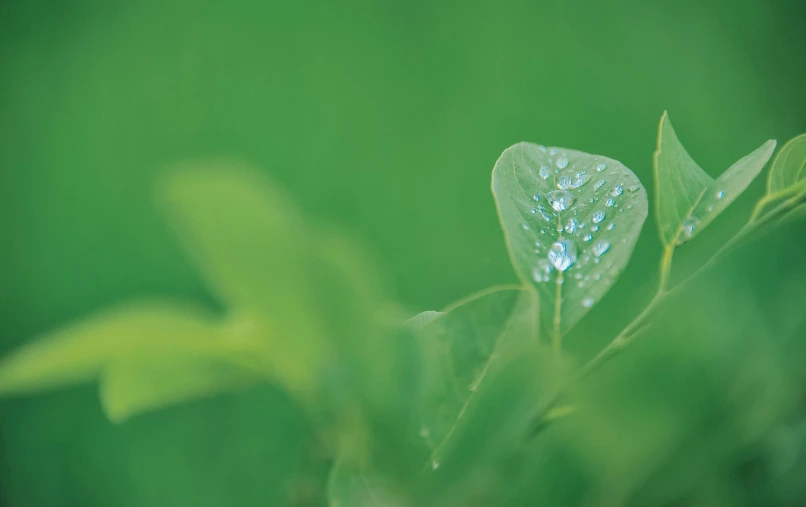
<point>451,407</point>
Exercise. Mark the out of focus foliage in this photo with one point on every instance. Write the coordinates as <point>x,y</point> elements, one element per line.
<point>284,341</point>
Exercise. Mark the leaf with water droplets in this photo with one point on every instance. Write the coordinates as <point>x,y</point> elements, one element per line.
<point>586,231</point>
<point>786,184</point>
<point>688,199</point>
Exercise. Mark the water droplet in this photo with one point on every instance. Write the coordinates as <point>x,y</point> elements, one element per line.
<point>525,227</point>
<point>536,197</point>
<point>562,163</point>
<point>541,272</point>
<point>600,248</point>
<point>534,210</point>
<point>560,200</point>
<point>616,191</point>
<point>544,172</point>
<point>553,151</point>
<point>564,183</point>
<point>611,226</point>
<point>720,194</point>
<point>434,464</point>
<point>710,207</point>
<point>587,237</point>
<point>601,167</point>
<point>599,184</point>
<point>595,228</point>
<point>563,254</point>
<point>610,203</point>
<point>598,216</point>
<point>571,226</point>
<point>425,432</point>
<point>578,276</point>
<point>579,180</point>
<point>634,188</point>
<point>541,147</point>
<point>689,226</point>
<point>587,302</point>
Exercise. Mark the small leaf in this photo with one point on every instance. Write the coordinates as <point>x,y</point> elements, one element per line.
<point>571,221</point>
<point>787,179</point>
<point>687,198</point>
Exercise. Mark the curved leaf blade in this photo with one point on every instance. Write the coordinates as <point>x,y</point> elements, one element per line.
<point>461,347</point>
<point>788,172</point>
<point>688,199</point>
<point>786,183</point>
<point>78,353</point>
<point>571,251</point>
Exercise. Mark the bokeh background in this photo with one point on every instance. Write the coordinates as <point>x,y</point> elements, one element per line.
<point>385,117</point>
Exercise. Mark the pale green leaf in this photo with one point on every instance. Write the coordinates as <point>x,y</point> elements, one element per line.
<point>256,253</point>
<point>131,386</point>
<point>79,352</point>
<point>571,221</point>
<point>687,198</point>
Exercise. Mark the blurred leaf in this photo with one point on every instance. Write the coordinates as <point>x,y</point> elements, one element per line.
<point>786,184</point>
<point>351,487</point>
<point>459,348</point>
<point>79,352</point>
<point>571,221</point>
<point>253,249</point>
<point>688,199</point>
<point>131,386</point>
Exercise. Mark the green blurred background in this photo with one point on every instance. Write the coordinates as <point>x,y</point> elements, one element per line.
<point>382,116</point>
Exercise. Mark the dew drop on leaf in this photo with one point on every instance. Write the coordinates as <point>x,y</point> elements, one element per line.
<point>571,226</point>
<point>587,302</point>
<point>600,248</point>
<point>689,225</point>
<point>562,163</point>
<point>598,216</point>
<point>563,254</point>
<point>587,238</point>
<point>610,203</point>
<point>611,226</point>
<point>560,200</point>
<point>616,191</point>
<point>601,167</point>
<point>720,194</point>
<point>564,183</point>
<point>541,272</point>
<point>544,172</point>
<point>599,184</point>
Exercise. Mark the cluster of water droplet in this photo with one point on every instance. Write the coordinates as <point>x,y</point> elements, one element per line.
<point>579,242</point>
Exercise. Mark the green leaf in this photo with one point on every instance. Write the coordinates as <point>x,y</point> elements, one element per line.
<point>786,184</point>
<point>571,221</point>
<point>460,349</point>
<point>78,353</point>
<point>350,486</point>
<point>687,198</point>
<point>255,251</point>
<point>131,386</point>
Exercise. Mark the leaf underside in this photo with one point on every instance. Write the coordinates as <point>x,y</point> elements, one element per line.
<point>687,198</point>
<point>571,222</point>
